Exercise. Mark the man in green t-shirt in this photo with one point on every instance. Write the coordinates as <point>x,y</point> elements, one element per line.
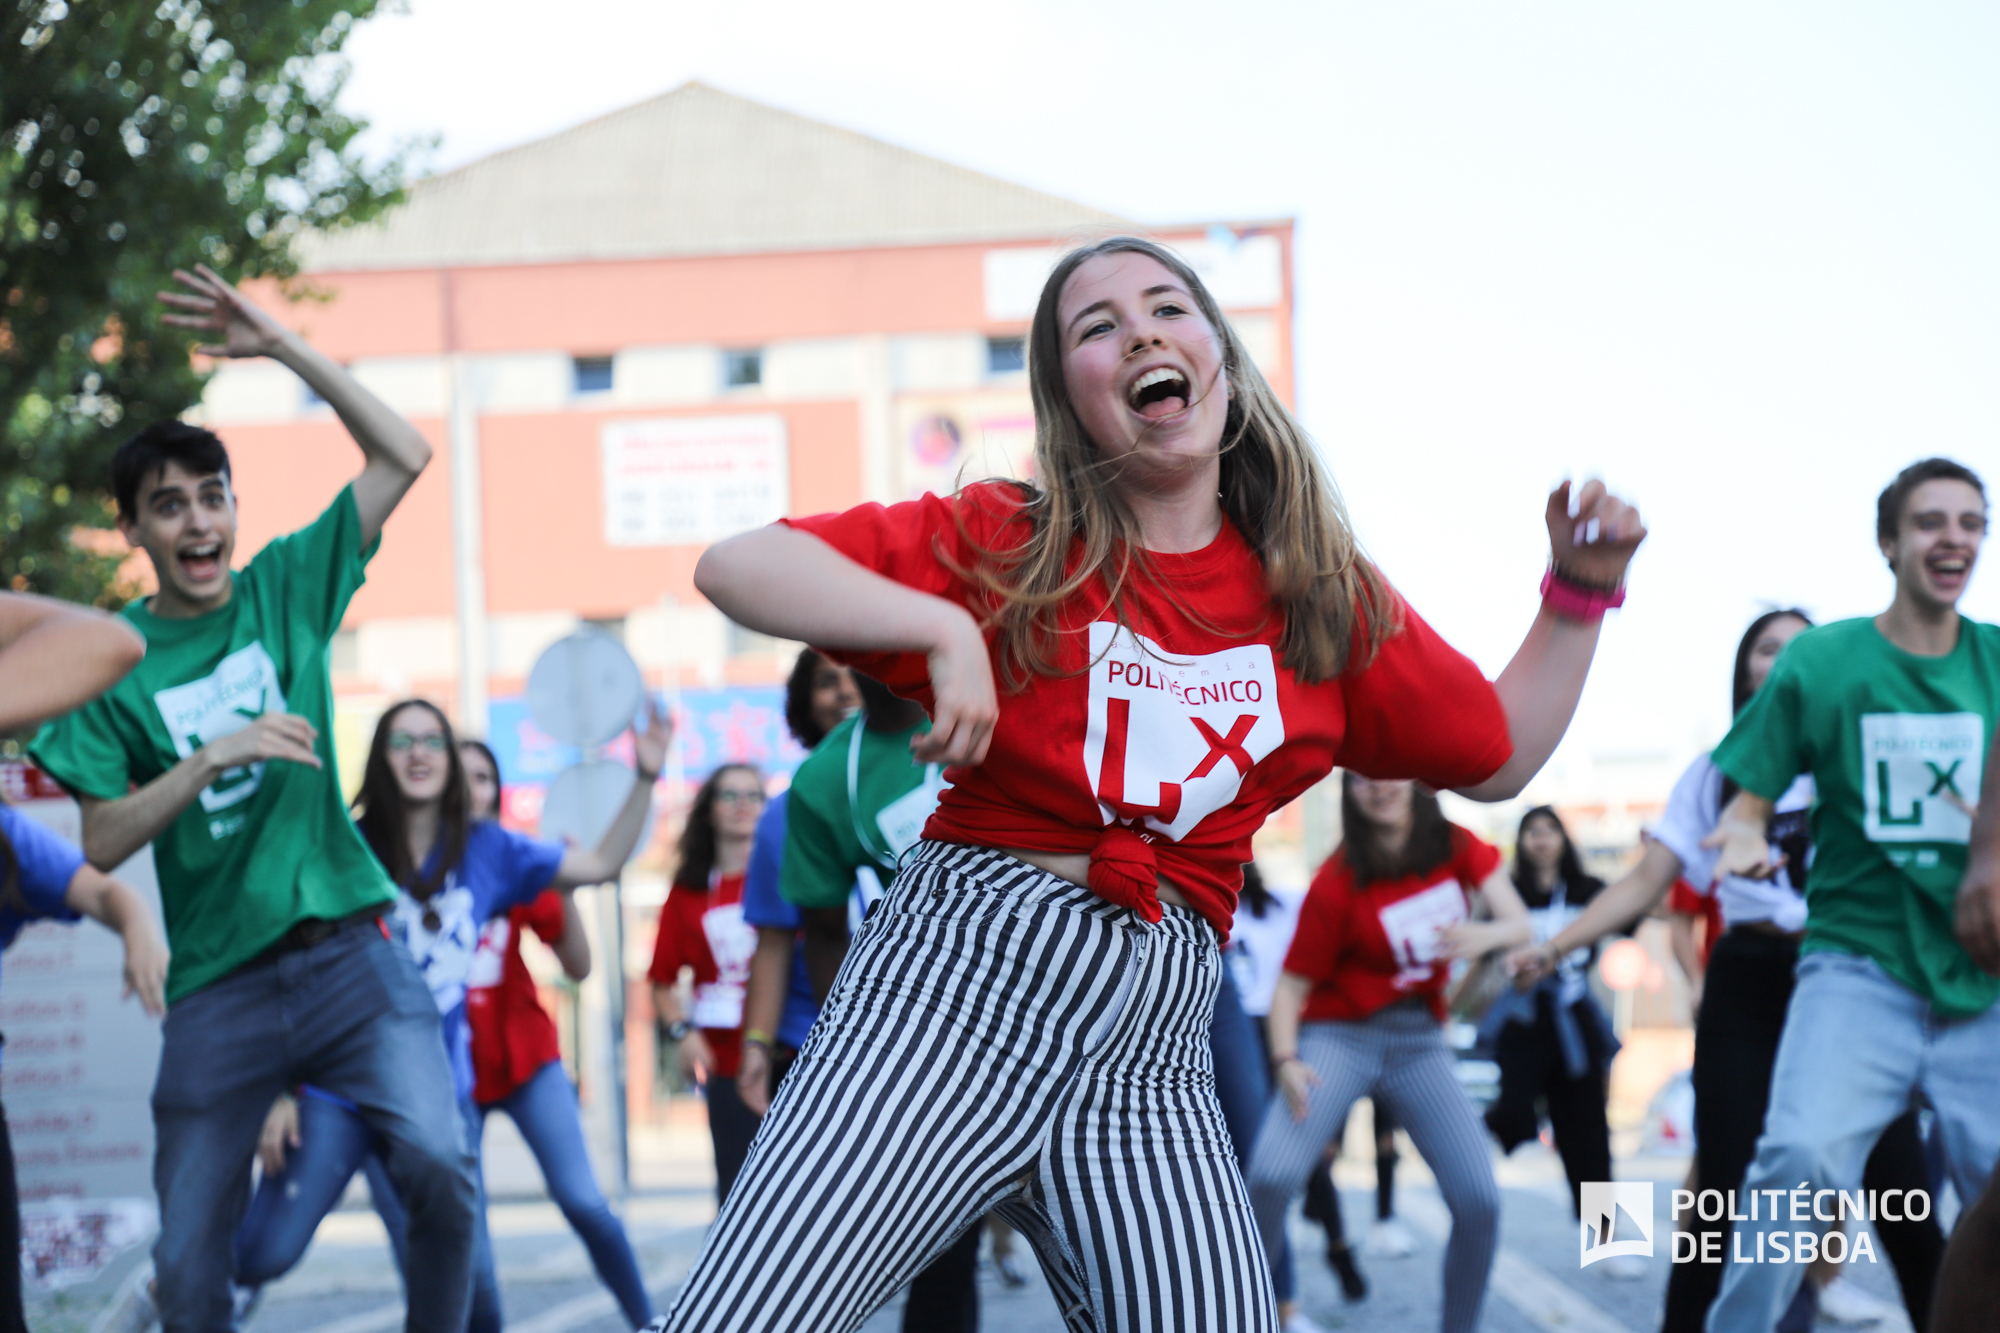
<point>217,749</point>
<point>1893,716</point>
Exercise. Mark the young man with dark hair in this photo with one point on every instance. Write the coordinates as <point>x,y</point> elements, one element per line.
<point>218,751</point>
<point>1893,715</point>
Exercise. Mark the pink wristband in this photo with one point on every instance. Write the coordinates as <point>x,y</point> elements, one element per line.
<point>1576,601</point>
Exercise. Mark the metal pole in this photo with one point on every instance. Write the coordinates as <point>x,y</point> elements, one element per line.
<point>468,549</point>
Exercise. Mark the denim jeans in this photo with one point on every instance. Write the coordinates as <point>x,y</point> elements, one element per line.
<point>1857,1047</point>
<point>544,1110</point>
<point>351,1015</point>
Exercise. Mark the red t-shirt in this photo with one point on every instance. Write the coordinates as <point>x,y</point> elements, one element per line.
<point>1687,900</point>
<point>1366,948</point>
<point>1163,755</point>
<point>706,931</point>
<point>512,1035</point>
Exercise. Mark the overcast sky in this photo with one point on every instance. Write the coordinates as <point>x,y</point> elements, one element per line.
<point>1738,258</point>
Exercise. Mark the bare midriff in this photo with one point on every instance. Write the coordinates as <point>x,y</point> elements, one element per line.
<point>1075,867</point>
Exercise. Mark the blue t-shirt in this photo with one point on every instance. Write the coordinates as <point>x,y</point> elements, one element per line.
<point>500,871</point>
<point>763,905</point>
<point>45,865</point>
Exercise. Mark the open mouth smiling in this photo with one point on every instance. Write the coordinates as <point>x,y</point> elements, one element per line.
<point>1158,393</point>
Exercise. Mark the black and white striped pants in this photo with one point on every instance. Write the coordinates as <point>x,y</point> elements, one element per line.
<point>998,1040</point>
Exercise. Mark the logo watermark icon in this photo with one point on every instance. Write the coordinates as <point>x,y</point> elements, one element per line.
<point>1617,1219</point>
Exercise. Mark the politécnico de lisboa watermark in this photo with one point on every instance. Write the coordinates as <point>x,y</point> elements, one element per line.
<point>1618,1220</point>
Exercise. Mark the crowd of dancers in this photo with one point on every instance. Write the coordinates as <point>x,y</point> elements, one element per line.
<point>997,962</point>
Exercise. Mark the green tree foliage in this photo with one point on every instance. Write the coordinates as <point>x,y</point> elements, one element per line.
<point>137,137</point>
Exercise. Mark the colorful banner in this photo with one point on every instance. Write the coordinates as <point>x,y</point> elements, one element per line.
<point>733,725</point>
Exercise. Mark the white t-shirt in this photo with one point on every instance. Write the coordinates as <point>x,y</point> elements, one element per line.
<point>1692,812</point>
<point>1257,946</point>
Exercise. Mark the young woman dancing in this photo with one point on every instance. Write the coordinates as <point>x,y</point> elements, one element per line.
<point>1553,1042</point>
<point>517,1057</point>
<point>1746,990</point>
<point>1187,638</point>
<point>454,873</point>
<point>1360,1006</point>
<point>702,929</point>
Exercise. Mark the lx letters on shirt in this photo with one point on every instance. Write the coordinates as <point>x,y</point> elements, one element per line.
<point>1170,737</point>
<point>1920,775</point>
<point>243,687</point>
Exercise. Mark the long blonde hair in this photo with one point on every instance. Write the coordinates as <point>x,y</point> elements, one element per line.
<point>1336,606</point>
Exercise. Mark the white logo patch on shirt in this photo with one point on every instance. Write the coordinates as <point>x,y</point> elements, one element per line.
<point>1170,739</point>
<point>1416,925</point>
<point>489,960</point>
<point>731,942</point>
<point>443,955</point>
<point>243,687</point>
<point>1920,775</point>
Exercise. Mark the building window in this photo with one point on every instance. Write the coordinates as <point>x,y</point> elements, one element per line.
<point>593,374</point>
<point>612,625</point>
<point>743,369</point>
<point>1005,356</point>
<point>312,398</point>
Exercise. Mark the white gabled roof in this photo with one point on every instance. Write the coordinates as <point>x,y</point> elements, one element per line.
<point>695,171</point>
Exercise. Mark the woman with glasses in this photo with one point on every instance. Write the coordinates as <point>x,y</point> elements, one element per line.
<point>703,931</point>
<point>454,873</point>
<point>517,1057</point>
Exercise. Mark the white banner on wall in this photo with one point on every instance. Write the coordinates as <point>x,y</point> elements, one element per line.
<point>688,481</point>
<point>78,1075</point>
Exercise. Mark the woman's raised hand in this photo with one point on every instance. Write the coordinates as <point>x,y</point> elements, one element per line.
<point>650,742</point>
<point>1596,542</point>
<point>218,307</point>
<point>964,703</point>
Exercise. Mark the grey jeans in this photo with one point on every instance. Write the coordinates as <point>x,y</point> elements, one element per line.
<point>1398,1057</point>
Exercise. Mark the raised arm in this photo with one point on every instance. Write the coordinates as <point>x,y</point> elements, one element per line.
<point>1616,907</point>
<point>791,584</point>
<point>603,862</point>
<point>573,949</point>
<point>113,831</point>
<point>1540,687</point>
<point>1509,925</point>
<point>394,449</point>
<point>55,657</point>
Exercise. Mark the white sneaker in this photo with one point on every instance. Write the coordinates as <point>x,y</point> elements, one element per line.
<point>1301,1322</point>
<point>1844,1302</point>
<point>1389,1239</point>
<point>1623,1267</point>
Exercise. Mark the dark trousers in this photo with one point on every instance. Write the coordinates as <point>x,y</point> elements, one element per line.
<point>1532,1071</point>
<point>351,1015</point>
<point>731,1126</point>
<point>1743,1006</point>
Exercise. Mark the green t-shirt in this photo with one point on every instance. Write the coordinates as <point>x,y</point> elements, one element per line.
<point>829,836</point>
<point>267,845</point>
<point>1895,744</point>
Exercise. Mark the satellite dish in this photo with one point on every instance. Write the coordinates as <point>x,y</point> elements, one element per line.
<point>583,800</point>
<point>585,689</point>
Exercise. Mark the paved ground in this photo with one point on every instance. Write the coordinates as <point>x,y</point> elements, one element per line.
<point>346,1284</point>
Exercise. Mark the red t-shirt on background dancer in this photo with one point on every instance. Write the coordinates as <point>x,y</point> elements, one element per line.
<point>512,1035</point>
<point>1165,763</point>
<point>1367,948</point>
<point>706,931</point>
